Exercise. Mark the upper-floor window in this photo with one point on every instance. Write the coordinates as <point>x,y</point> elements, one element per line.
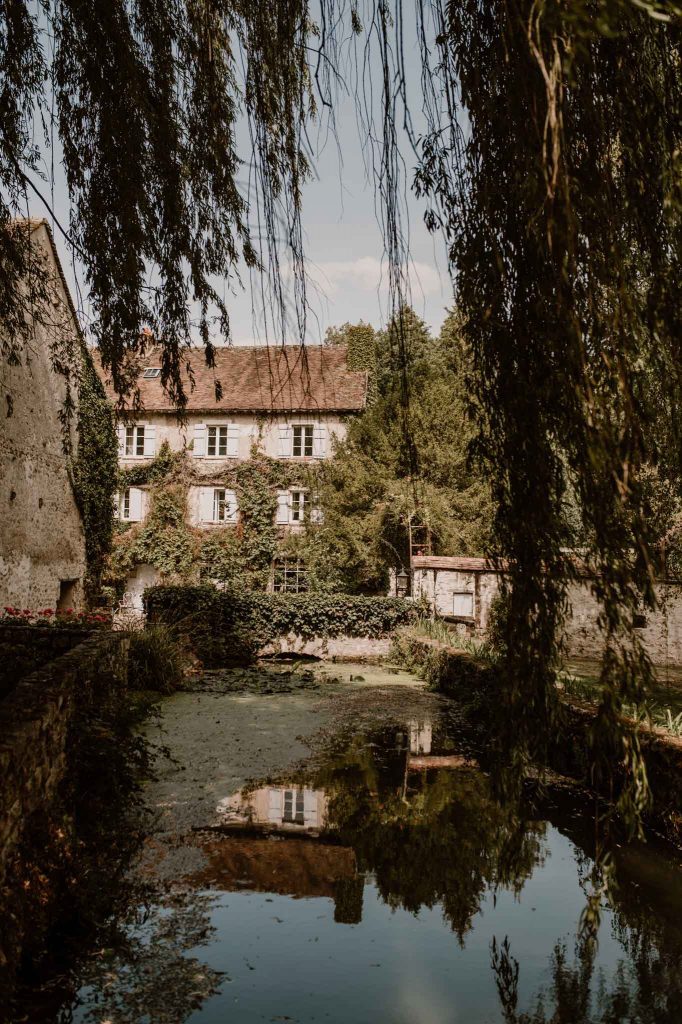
<point>216,440</point>
<point>136,440</point>
<point>302,440</point>
<point>151,372</point>
<point>297,505</point>
<point>302,446</point>
<point>217,505</point>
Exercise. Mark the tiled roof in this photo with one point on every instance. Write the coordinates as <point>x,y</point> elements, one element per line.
<point>260,379</point>
<point>453,563</point>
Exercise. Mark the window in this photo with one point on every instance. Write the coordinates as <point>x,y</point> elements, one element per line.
<point>134,441</point>
<point>222,508</point>
<point>216,441</point>
<point>129,505</point>
<point>294,806</point>
<point>302,446</point>
<point>298,503</point>
<point>217,505</point>
<point>152,372</point>
<point>289,576</point>
<point>463,604</point>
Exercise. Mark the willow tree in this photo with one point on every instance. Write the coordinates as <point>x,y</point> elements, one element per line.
<point>561,199</point>
<point>550,156</point>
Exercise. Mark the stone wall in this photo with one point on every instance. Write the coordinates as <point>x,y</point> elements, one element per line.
<point>42,546</point>
<point>340,648</point>
<point>661,632</point>
<point>23,649</point>
<point>36,760</point>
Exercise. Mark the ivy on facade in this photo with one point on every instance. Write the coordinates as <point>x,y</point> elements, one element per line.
<point>95,470</point>
<point>233,554</point>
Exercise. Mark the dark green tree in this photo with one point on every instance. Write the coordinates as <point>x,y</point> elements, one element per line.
<point>406,458</point>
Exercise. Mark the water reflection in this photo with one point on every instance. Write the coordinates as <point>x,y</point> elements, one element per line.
<point>396,833</point>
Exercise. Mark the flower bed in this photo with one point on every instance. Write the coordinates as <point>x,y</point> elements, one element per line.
<point>53,618</point>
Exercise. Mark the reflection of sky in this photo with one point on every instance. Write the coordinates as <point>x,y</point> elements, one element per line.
<point>288,958</point>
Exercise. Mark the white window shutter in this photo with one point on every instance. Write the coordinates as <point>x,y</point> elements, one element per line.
<point>121,432</point>
<point>316,515</point>
<point>275,805</point>
<point>283,506</point>
<point>206,504</point>
<point>135,505</point>
<point>199,450</point>
<point>285,436</point>
<point>233,440</point>
<point>117,504</point>
<point>149,442</point>
<point>320,441</point>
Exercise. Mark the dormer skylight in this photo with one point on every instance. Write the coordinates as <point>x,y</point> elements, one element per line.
<point>151,372</point>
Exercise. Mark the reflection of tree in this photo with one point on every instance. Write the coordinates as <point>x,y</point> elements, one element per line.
<point>646,987</point>
<point>438,836</point>
<point>148,976</point>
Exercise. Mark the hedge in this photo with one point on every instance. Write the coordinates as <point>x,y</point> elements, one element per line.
<point>227,626</point>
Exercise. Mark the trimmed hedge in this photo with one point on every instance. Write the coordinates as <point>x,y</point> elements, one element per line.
<point>227,626</point>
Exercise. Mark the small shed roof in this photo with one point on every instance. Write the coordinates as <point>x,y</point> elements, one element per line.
<point>454,563</point>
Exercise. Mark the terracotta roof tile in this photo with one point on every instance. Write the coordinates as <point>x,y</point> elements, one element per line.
<point>453,563</point>
<point>260,379</point>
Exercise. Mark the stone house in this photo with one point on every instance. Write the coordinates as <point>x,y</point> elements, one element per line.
<point>462,590</point>
<point>42,544</point>
<point>288,403</point>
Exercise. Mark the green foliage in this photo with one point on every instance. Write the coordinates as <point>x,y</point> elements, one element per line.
<point>406,458</point>
<point>155,660</point>
<point>361,344</point>
<point>160,467</point>
<point>142,103</point>
<point>219,623</point>
<point>95,471</point>
<point>234,555</point>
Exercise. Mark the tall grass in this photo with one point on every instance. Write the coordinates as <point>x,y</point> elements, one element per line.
<point>156,659</point>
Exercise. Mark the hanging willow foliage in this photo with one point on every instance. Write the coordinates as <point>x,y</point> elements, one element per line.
<point>553,159</point>
<point>144,100</point>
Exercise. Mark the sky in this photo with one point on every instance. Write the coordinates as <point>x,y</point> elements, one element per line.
<point>344,250</point>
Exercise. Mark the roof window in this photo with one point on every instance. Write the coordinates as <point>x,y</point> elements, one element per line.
<point>151,372</point>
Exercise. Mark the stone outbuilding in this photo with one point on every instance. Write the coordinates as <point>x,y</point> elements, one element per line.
<point>462,590</point>
<point>42,543</point>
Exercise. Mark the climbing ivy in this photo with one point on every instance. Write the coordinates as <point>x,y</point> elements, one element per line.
<point>95,469</point>
<point>236,554</point>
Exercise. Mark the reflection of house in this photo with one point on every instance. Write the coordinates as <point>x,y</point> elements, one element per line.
<point>311,866</point>
<point>421,736</point>
<point>42,544</point>
<point>286,807</point>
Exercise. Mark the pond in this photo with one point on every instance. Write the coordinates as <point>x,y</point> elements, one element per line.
<point>326,848</point>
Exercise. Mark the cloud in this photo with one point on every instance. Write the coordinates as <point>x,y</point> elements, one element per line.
<point>369,274</point>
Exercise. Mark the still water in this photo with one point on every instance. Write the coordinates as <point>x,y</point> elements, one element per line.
<point>372,880</point>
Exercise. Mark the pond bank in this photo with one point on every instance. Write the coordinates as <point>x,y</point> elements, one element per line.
<point>327,848</point>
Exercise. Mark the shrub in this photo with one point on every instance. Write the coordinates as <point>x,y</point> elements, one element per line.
<point>230,626</point>
<point>156,660</point>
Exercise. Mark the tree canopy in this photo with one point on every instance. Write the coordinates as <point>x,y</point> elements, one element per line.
<point>387,472</point>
